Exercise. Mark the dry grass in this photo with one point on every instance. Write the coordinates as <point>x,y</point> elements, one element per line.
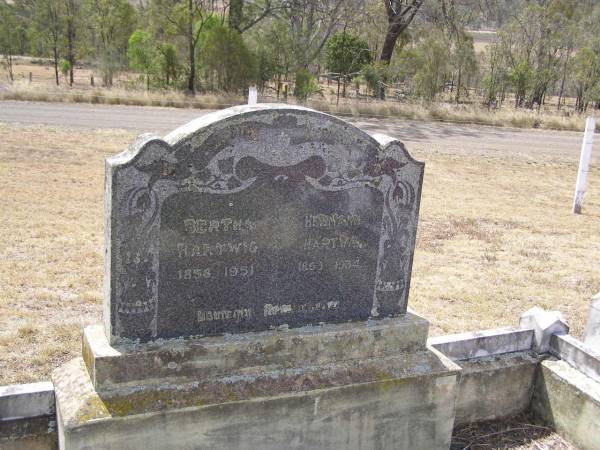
<point>443,112</point>
<point>496,237</point>
<point>50,244</point>
<point>127,92</point>
<point>547,119</point>
<point>21,90</point>
<point>518,433</point>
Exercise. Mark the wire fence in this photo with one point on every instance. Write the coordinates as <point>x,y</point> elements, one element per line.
<point>363,107</point>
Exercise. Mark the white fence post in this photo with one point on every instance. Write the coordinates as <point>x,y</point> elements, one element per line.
<point>252,95</point>
<point>584,163</point>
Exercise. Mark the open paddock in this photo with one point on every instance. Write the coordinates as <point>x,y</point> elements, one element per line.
<point>496,237</point>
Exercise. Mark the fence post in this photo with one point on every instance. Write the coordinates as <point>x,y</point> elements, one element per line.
<point>252,95</point>
<point>584,163</point>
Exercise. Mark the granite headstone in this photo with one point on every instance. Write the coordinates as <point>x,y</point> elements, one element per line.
<point>257,217</point>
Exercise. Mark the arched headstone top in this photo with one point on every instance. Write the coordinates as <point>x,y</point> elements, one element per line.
<point>255,217</point>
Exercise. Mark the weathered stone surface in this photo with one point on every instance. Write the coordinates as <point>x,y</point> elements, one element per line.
<point>209,357</point>
<point>405,401</point>
<point>476,344</point>
<point>578,354</point>
<point>544,325</point>
<point>591,335</point>
<point>495,387</point>
<point>19,401</point>
<point>257,217</point>
<point>568,401</point>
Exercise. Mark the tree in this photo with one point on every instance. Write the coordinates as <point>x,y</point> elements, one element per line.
<point>346,55</point>
<point>432,66</point>
<point>520,77</point>
<point>464,62</point>
<point>188,19</point>
<point>227,60</point>
<point>400,13</point>
<point>305,85</point>
<point>311,23</point>
<point>454,18</point>
<point>47,18</point>
<point>112,23</point>
<point>72,17</point>
<point>586,78</point>
<point>141,52</point>
<point>243,16</point>
<point>64,67</point>
<point>168,62</point>
<point>496,78</point>
<point>8,40</point>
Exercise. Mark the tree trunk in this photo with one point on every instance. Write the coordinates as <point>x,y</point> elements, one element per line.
<point>399,18</point>
<point>458,81</point>
<point>9,64</point>
<point>387,51</point>
<point>562,83</point>
<point>236,14</point>
<point>192,56</point>
<point>70,5</point>
<point>70,50</point>
<point>55,51</point>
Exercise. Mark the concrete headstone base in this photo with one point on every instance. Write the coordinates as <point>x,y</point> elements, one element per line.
<point>390,392</point>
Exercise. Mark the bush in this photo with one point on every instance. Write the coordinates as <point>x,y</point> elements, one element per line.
<point>227,61</point>
<point>306,85</point>
<point>64,67</point>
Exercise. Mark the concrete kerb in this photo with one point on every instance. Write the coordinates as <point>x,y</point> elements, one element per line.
<point>27,417</point>
<point>577,354</point>
<point>20,401</point>
<point>478,344</point>
<point>591,336</point>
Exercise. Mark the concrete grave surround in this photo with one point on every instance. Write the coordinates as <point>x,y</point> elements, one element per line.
<point>256,217</point>
<point>327,357</point>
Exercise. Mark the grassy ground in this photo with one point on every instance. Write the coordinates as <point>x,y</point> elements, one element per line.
<point>496,237</point>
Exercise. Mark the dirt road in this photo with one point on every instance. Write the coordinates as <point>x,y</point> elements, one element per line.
<point>418,135</point>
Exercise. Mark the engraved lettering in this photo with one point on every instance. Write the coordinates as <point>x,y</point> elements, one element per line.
<point>331,220</point>
<point>185,250</point>
<point>224,225</point>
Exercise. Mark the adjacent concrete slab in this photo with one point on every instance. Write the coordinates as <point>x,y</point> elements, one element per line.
<point>577,354</point>
<point>26,400</point>
<point>495,387</point>
<point>591,336</point>
<point>478,344</point>
<point>27,417</point>
<point>569,401</point>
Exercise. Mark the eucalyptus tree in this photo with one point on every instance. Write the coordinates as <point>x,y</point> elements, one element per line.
<point>8,35</point>
<point>188,20</point>
<point>400,14</point>
<point>112,22</point>
<point>45,20</point>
